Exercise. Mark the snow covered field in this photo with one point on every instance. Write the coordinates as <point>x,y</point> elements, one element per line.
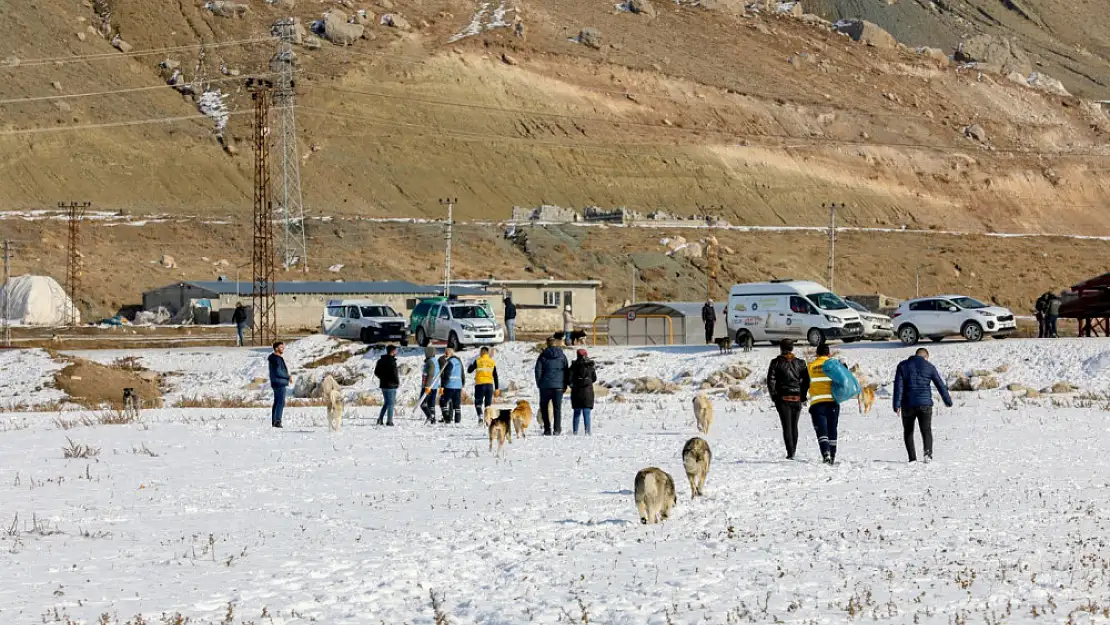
<point>193,510</point>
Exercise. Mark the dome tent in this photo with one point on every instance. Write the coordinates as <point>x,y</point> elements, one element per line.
<point>37,301</point>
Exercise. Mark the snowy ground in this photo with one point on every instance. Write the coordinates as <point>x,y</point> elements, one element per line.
<point>196,509</point>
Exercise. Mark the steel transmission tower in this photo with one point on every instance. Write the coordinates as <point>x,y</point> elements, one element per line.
<point>292,248</point>
<point>264,328</point>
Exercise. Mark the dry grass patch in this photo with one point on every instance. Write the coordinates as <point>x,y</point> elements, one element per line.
<point>93,385</point>
<point>336,358</point>
<point>77,450</point>
<point>217,402</point>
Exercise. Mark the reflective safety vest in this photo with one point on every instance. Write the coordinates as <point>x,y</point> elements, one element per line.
<point>453,369</point>
<point>483,374</point>
<point>820,385</point>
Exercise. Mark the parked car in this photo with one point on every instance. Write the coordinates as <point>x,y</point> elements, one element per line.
<point>951,315</point>
<point>790,309</point>
<point>365,321</point>
<point>876,327</point>
<point>457,323</point>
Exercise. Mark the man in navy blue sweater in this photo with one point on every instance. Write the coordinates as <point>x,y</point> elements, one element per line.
<point>279,381</point>
<point>913,399</point>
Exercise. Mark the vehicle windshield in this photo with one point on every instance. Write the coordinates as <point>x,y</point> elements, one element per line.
<point>827,301</point>
<point>856,306</point>
<point>377,311</point>
<point>469,312</point>
<point>968,303</point>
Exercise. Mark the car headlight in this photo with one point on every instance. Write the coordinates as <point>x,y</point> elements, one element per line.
<point>834,320</point>
<point>985,313</point>
<point>373,324</point>
<point>469,327</point>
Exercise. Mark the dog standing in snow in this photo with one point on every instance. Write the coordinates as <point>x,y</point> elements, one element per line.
<point>329,390</point>
<point>703,412</point>
<point>500,424</point>
<point>655,495</point>
<point>522,417</point>
<point>696,457</point>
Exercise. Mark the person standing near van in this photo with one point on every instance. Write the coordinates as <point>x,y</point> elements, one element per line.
<point>454,379</point>
<point>823,408</point>
<point>430,383</point>
<point>788,384</point>
<point>389,379</point>
<point>709,318</point>
<point>913,399</point>
<point>510,319</point>
<point>486,383</point>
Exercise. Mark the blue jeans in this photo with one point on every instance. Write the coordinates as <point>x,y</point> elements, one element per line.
<point>239,327</point>
<point>585,414</point>
<point>510,329</point>
<point>825,417</point>
<point>279,405</point>
<point>1050,326</point>
<point>483,398</point>
<point>390,397</point>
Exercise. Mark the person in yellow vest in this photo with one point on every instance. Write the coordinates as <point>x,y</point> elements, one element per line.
<point>823,408</point>
<point>486,384</point>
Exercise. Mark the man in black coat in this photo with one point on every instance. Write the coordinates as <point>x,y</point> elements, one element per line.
<point>239,318</point>
<point>788,384</point>
<point>709,318</point>
<point>551,379</point>
<point>390,380</point>
<point>510,319</point>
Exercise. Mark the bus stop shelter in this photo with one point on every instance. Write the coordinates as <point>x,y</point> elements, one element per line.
<point>658,323</point>
<point>1089,304</point>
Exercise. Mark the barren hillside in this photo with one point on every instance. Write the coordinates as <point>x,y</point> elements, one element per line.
<point>758,118</point>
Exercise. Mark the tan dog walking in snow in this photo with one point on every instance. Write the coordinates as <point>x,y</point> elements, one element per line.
<point>703,412</point>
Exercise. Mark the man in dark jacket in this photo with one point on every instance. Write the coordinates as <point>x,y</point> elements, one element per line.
<point>551,372</point>
<point>788,384</point>
<point>1039,308</point>
<point>913,399</point>
<point>389,378</point>
<point>510,319</point>
<point>581,378</point>
<point>1051,314</point>
<point>709,318</point>
<point>239,318</point>
<point>279,381</point>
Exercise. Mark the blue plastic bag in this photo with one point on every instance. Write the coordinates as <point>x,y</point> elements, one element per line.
<point>845,386</point>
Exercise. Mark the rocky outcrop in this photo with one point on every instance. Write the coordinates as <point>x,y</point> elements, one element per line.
<point>341,32</point>
<point>994,54</point>
<point>866,32</point>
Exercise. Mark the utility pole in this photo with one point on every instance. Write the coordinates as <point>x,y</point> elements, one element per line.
<point>832,206</point>
<point>263,300</point>
<point>75,212</point>
<point>5,327</point>
<point>633,268</point>
<point>447,235</point>
<point>710,263</point>
<point>287,194</point>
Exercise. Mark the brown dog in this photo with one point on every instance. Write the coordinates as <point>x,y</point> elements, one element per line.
<point>500,424</point>
<point>522,417</point>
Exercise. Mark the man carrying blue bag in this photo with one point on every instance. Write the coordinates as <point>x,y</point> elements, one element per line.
<point>830,384</point>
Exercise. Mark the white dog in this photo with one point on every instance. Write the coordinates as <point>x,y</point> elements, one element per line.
<point>329,390</point>
<point>703,412</point>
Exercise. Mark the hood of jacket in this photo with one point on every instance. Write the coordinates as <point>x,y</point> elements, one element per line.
<point>551,353</point>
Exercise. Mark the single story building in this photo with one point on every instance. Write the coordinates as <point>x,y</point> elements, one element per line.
<point>660,323</point>
<point>540,302</point>
<point>299,304</point>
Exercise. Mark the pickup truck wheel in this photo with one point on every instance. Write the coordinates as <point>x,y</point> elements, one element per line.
<point>421,337</point>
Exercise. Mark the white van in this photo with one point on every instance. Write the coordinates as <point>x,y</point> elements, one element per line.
<point>364,320</point>
<point>790,309</point>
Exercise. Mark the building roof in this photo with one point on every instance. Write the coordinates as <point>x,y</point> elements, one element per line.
<point>1098,282</point>
<point>540,282</point>
<point>387,287</point>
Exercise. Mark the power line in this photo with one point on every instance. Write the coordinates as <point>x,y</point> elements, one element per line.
<point>120,124</point>
<point>68,96</point>
<point>101,56</point>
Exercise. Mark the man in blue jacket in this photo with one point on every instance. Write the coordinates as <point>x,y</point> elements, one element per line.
<point>454,379</point>
<point>279,381</point>
<point>913,399</point>
<point>551,378</point>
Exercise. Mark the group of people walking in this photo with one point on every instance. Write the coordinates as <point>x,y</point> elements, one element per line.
<point>1048,313</point>
<point>792,383</point>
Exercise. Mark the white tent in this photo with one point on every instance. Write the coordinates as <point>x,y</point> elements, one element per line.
<point>37,301</point>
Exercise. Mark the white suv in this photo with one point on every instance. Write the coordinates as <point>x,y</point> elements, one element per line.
<point>951,315</point>
<point>363,320</point>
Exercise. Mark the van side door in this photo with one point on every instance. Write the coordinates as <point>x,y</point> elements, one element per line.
<point>801,317</point>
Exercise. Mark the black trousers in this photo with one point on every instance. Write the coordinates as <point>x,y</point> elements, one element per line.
<point>1041,334</point>
<point>554,414</point>
<point>924,416</point>
<point>789,414</point>
<point>708,333</point>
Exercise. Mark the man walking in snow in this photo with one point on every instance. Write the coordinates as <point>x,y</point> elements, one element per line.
<point>709,318</point>
<point>788,384</point>
<point>510,319</point>
<point>239,318</point>
<point>823,407</point>
<point>486,384</point>
<point>279,381</point>
<point>454,379</point>
<point>551,369</point>
<point>390,379</point>
<point>430,383</point>
<point>1051,315</point>
<point>913,399</point>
